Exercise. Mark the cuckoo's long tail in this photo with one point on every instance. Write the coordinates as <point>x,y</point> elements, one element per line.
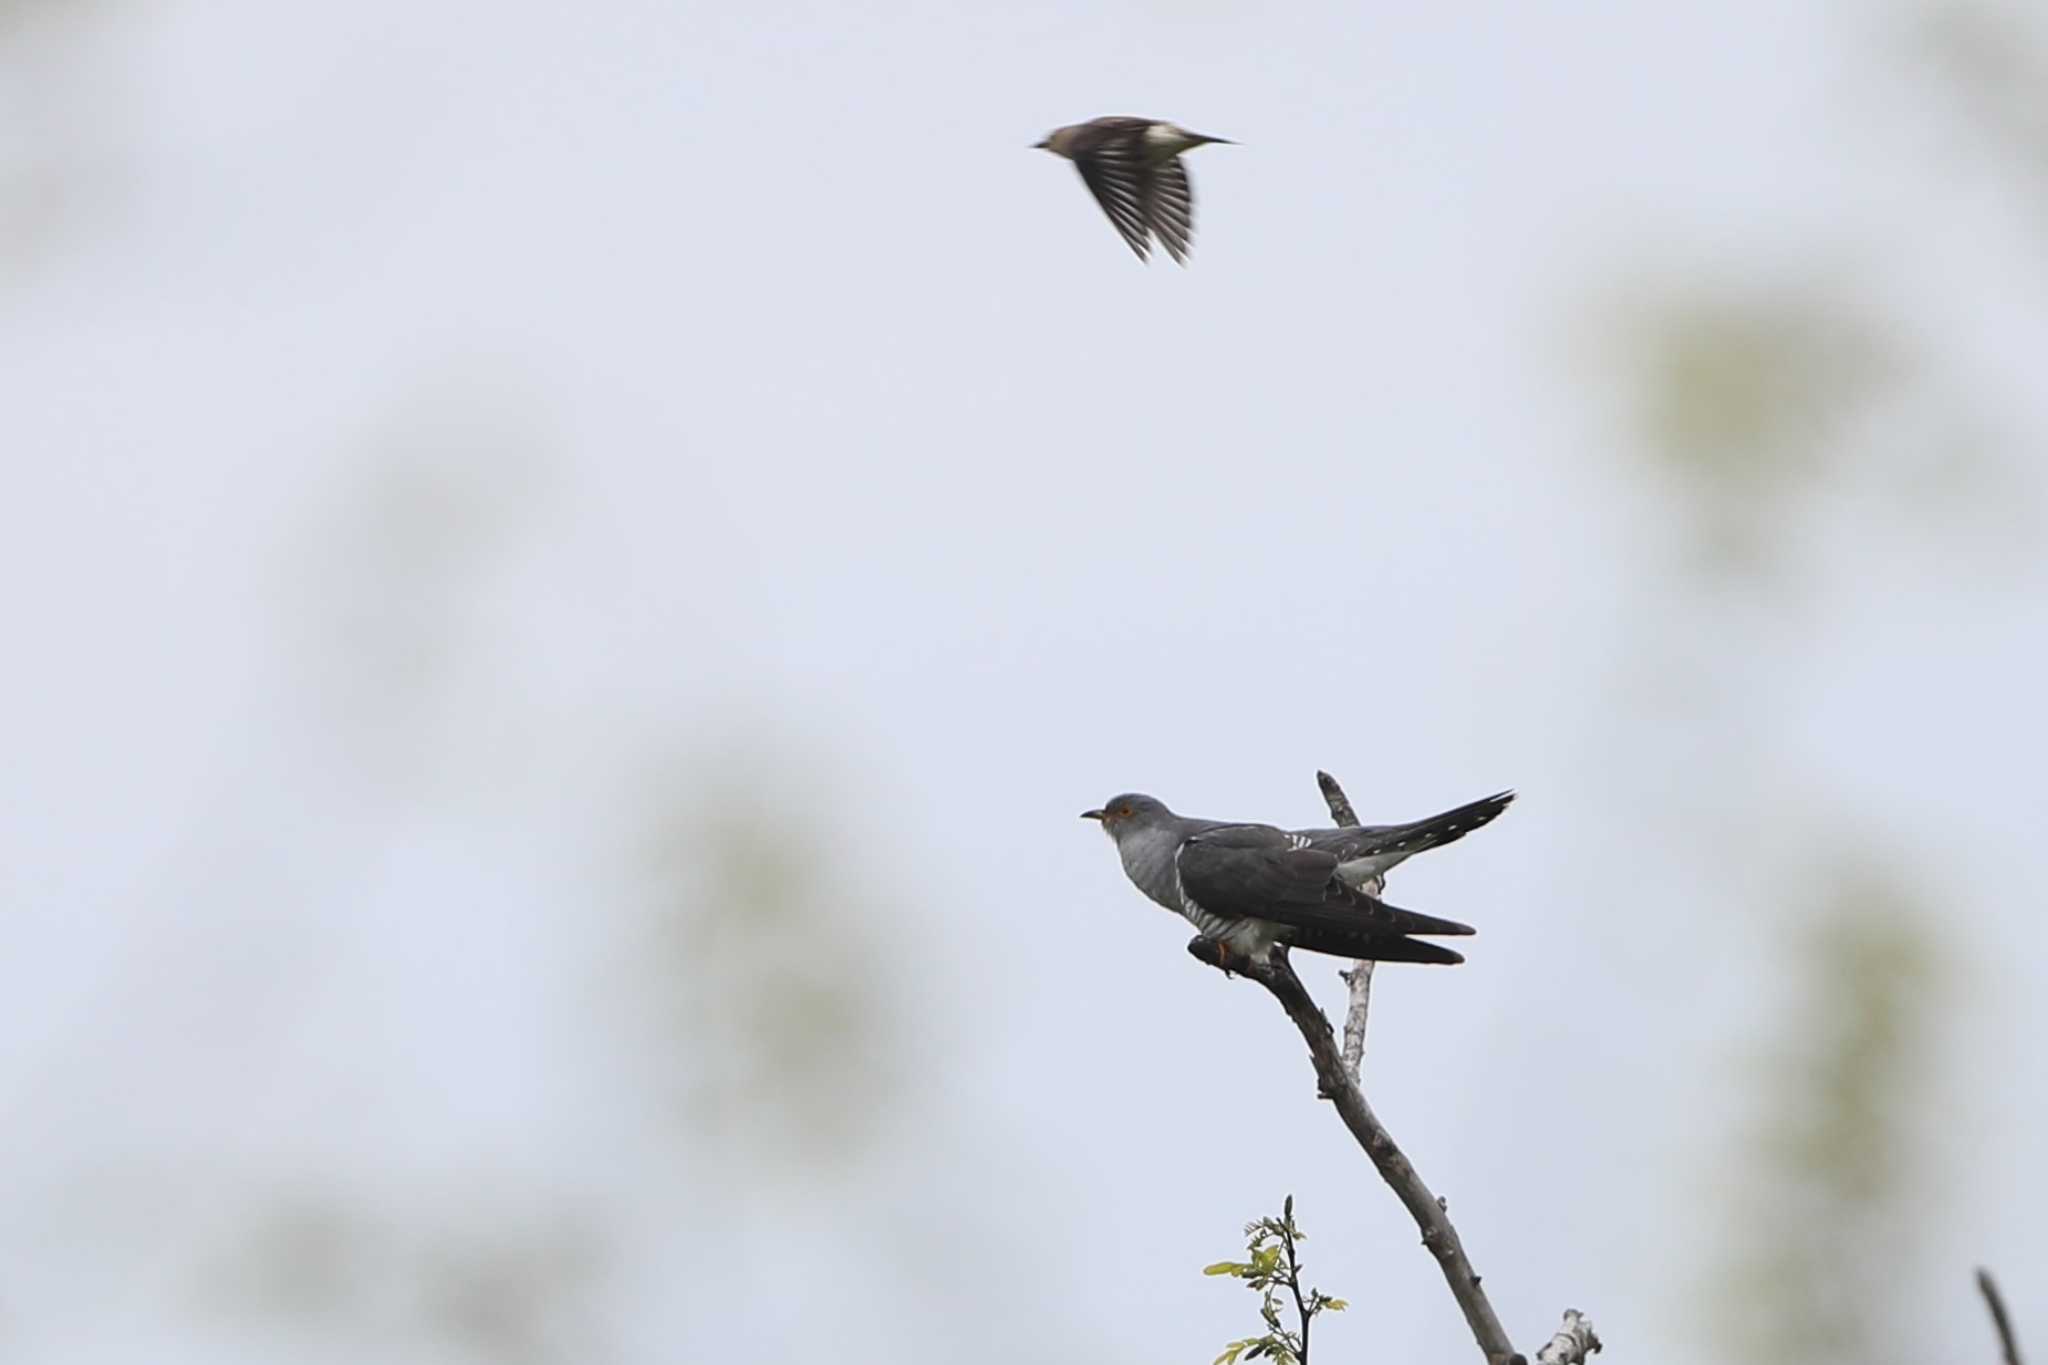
<point>1374,947</point>
<point>1443,828</point>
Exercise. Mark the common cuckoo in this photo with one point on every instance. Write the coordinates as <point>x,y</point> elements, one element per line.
<point>1249,887</point>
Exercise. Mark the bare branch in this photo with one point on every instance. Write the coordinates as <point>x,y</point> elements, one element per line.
<point>1337,1080</point>
<point>1996,1302</point>
<point>1339,803</point>
<point>1573,1342</point>
<point>1341,1087</point>
<point>1357,981</point>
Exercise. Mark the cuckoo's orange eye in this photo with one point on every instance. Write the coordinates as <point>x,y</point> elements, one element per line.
<point>1124,812</point>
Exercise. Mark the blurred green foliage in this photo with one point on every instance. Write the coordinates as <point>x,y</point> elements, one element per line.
<point>1744,391</point>
<point>501,1278</point>
<point>1826,1183</point>
<point>1767,408</point>
<point>770,978</point>
<point>1741,397</point>
<point>1993,63</point>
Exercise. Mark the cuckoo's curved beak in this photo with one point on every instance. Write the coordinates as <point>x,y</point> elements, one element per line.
<point>1091,815</point>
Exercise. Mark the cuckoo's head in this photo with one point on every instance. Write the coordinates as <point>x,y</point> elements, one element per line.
<point>1060,142</point>
<point>1132,811</point>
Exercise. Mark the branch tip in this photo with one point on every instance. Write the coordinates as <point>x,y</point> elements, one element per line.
<point>1572,1343</point>
<point>2008,1344</point>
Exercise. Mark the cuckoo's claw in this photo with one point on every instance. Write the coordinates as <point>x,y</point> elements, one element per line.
<point>1211,951</point>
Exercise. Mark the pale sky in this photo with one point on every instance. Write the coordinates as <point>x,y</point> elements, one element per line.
<point>446,439</point>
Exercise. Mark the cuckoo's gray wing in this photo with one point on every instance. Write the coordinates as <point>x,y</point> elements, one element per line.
<point>1257,872</point>
<point>1170,207</point>
<point>1369,841</point>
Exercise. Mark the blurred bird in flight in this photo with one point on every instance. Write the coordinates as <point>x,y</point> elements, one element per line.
<point>1132,166</point>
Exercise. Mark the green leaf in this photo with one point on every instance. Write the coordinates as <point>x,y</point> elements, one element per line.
<point>1336,1305</point>
<point>1226,1268</point>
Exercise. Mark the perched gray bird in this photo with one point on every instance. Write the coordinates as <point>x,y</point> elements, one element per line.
<point>1249,887</point>
<point>1132,166</point>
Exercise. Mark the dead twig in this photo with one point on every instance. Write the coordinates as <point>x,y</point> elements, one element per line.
<point>1995,1301</point>
<point>1572,1342</point>
<point>1357,981</point>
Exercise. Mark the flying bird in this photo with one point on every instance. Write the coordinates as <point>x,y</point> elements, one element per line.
<point>1249,887</point>
<point>1132,167</point>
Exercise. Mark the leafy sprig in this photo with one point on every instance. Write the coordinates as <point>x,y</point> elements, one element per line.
<point>1273,1270</point>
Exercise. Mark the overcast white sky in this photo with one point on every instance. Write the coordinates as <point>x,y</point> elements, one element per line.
<point>443,441</point>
